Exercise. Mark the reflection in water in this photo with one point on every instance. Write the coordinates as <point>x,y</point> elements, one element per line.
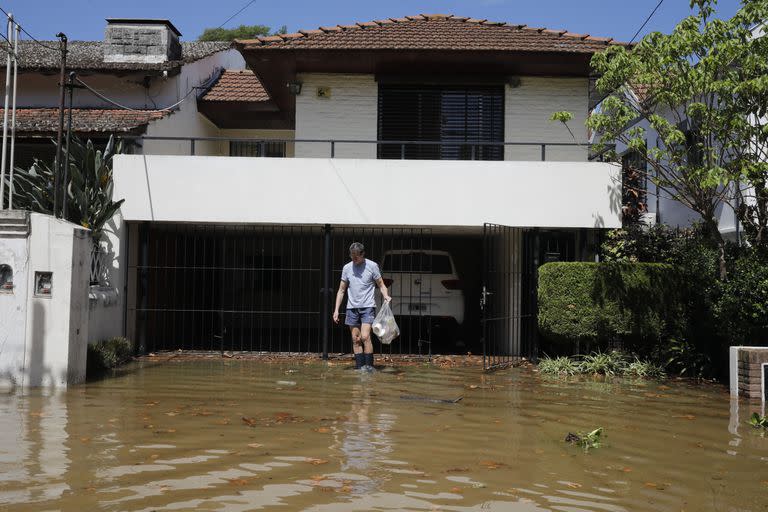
<point>228,436</point>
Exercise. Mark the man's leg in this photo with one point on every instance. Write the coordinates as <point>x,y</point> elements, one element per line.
<point>367,345</point>
<point>357,346</point>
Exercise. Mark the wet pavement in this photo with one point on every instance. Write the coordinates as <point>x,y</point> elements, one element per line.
<point>237,435</point>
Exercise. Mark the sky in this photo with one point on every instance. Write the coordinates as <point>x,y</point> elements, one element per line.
<point>84,19</point>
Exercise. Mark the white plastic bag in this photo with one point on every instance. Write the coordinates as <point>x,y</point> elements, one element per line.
<point>384,326</point>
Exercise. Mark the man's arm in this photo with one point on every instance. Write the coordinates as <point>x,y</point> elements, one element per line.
<point>383,289</point>
<point>339,298</point>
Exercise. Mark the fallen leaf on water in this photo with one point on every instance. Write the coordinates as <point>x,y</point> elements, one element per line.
<point>154,456</point>
<point>85,439</point>
<point>239,482</point>
<point>345,488</point>
<point>317,462</point>
<point>627,470</point>
<point>322,430</point>
<point>317,478</point>
<point>171,413</point>
<point>456,470</point>
<point>255,445</point>
<point>686,417</point>
<point>224,421</point>
<point>457,490</point>
<point>249,421</point>
<point>165,431</point>
<point>573,485</point>
<point>650,485</point>
<point>491,464</point>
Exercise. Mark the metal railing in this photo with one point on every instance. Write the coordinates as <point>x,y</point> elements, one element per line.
<point>408,149</point>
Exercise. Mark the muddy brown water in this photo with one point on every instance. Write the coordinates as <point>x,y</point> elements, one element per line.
<point>235,435</point>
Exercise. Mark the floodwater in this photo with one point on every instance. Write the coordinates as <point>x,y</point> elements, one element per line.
<point>236,435</point>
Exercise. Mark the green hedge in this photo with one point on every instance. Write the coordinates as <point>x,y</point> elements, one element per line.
<point>106,354</point>
<point>586,306</point>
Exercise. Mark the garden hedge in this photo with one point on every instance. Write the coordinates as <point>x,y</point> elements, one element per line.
<point>587,306</point>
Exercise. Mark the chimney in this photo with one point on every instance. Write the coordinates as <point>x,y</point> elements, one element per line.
<point>141,41</point>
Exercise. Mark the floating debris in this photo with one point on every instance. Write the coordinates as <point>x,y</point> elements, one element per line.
<point>431,399</point>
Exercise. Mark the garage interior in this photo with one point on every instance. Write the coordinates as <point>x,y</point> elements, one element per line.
<point>262,288</point>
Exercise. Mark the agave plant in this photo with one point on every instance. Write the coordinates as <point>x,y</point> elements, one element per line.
<point>89,186</point>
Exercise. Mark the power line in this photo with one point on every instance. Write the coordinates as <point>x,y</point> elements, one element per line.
<point>238,12</point>
<point>119,105</point>
<point>646,20</point>
<point>28,34</point>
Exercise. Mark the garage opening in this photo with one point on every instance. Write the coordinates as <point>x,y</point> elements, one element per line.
<point>262,288</point>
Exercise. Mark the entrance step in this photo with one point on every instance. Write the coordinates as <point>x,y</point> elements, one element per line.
<point>14,224</point>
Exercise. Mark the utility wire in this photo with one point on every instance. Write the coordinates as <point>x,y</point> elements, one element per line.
<point>119,105</point>
<point>30,35</point>
<point>238,12</point>
<point>646,20</point>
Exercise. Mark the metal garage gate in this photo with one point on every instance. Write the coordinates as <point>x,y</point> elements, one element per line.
<point>259,288</point>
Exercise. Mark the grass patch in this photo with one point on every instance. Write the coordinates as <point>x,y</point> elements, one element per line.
<point>610,364</point>
<point>106,354</point>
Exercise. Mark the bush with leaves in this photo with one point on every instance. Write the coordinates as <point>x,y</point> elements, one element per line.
<point>741,308</point>
<point>89,186</point>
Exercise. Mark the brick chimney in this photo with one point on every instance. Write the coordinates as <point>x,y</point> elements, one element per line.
<point>141,41</point>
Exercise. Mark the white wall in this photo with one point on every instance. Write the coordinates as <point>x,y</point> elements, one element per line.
<point>350,113</point>
<point>53,349</point>
<point>528,109</point>
<point>13,313</point>
<point>367,192</point>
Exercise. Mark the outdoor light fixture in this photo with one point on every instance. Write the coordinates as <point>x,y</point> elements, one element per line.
<point>294,88</point>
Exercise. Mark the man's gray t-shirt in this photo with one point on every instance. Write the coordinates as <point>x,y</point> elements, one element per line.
<point>361,283</point>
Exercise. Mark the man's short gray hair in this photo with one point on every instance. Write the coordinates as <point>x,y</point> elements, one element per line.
<point>357,247</point>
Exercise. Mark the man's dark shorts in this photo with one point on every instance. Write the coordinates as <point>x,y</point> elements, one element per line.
<point>358,316</point>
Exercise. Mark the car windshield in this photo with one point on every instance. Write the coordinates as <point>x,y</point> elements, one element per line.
<point>418,262</point>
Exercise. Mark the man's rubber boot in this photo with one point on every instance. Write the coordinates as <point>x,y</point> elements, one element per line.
<point>369,360</point>
<point>359,361</point>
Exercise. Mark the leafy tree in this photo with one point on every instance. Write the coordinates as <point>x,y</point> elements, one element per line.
<point>705,97</point>
<point>89,186</point>
<point>241,32</point>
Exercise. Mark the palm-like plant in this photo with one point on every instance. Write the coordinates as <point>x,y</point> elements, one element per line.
<point>89,186</point>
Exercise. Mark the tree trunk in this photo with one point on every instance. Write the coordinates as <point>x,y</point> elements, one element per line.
<point>713,232</point>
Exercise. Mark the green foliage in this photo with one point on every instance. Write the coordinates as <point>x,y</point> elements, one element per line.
<point>685,358</point>
<point>587,440</point>
<point>704,95</point>
<point>89,186</point>
<point>561,116</point>
<point>645,370</point>
<point>106,354</point>
<point>241,32</point>
<point>596,304</point>
<point>603,363</point>
<point>558,366</point>
<point>741,308</point>
<point>758,421</point>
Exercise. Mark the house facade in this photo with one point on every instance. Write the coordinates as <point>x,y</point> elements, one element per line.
<point>427,137</point>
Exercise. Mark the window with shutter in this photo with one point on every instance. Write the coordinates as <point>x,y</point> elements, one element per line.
<point>456,120</point>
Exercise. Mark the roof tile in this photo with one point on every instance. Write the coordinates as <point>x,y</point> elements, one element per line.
<point>46,120</point>
<point>435,32</point>
<point>237,85</point>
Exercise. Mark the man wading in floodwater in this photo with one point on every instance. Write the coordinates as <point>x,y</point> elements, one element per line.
<point>359,277</point>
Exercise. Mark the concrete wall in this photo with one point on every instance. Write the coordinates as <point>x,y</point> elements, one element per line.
<point>367,192</point>
<point>52,350</point>
<point>349,113</point>
<point>528,109</point>
<point>13,311</point>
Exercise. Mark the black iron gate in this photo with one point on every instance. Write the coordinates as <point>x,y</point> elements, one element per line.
<point>265,288</point>
<point>508,300</point>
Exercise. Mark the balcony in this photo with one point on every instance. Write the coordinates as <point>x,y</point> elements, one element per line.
<point>346,182</point>
<point>365,149</point>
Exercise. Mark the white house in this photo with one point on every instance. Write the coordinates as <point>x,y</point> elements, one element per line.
<point>426,136</point>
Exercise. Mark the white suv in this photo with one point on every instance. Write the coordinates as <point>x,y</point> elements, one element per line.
<point>423,283</point>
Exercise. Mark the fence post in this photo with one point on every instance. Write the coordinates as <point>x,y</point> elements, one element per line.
<point>326,295</point>
<point>402,151</point>
<point>192,147</point>
<point>143,274</point>
<point>543,152</point>
<point>333,149</point>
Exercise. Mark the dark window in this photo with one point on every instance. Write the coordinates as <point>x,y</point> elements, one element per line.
<point>247,148</point>
<point>634,185</point>
<point>417,262</point>
<point>458,117</point>
<point>6,278</point>
<point>694,148</point>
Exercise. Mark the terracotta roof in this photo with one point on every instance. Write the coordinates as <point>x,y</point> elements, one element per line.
<point>89,55</point>
<point>237,85</point>
<point>432,32</point>
<point>84,119</point>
